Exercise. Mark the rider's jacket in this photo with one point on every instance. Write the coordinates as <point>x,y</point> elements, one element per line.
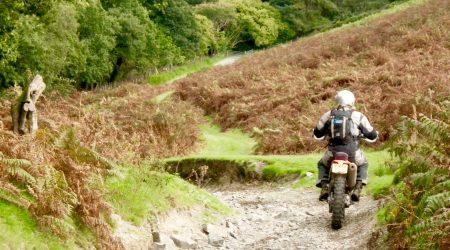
<point>361,126</point>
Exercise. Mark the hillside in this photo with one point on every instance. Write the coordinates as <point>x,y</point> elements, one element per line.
<point>55,180</point>
<point>95,165</point>
<point>279,94</point>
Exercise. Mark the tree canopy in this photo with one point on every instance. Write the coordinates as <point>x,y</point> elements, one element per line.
<point>86,43</point>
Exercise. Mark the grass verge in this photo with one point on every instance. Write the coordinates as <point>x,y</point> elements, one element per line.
<point>234,149</point>
<point>142,193</point>
<point>18,230</point>
<point>184,70</point>
<point>276,167</point>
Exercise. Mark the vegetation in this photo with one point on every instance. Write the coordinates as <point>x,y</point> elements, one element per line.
<point>278,95</point>
<point>17,225</point>
<point>418,215</point>
<point>275,167</point>
<point>89,43</point>
<point>183,71</point>
<point>154,193</point>
<point>222,151</point>
<point>93,148</point>
<point>57,176</point>
<point>304,17</point>
<point>231,142</point>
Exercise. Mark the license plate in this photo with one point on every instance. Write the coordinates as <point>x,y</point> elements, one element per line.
<point>339,168</point>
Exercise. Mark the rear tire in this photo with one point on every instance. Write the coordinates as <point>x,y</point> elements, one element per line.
<point>338,209</point>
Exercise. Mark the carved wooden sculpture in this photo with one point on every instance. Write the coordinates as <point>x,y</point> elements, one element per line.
<point>23,111</point>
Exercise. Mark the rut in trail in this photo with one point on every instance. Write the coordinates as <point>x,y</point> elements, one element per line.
<point>285,218</point>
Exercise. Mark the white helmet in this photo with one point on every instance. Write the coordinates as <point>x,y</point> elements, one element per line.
<point>345,98</point>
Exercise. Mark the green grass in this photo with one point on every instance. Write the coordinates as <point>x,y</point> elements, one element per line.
<point>279,166</point>
<point>184,70</point>
<point>236,146</point>
<point>231,142</point>
<point>18,230</point>
<point>143,193</point>
<point>380,174</point>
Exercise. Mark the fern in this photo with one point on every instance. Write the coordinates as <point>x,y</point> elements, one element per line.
<point>20,173</point>
<point>435,129</point>
<point>14,198</point>
<point>15,162</point>
<point>445,185</point>
<point>436,202</point>
<point>431,224</point>
<point>58,226</point>
<point>14,168</point>
<point>87,155</point>
<point>69,142</point>
<point>423,208</point>
<point>424,180</point>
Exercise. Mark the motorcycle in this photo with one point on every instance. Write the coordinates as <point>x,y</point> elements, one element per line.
<point>341,184</point>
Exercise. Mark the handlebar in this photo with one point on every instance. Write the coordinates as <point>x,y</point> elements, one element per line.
<point>360,136</point>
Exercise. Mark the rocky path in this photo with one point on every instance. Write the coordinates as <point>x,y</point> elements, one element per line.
<point>283,218</point>
<point>278,218</point>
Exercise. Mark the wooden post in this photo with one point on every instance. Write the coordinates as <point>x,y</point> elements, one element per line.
<point>23,111</point>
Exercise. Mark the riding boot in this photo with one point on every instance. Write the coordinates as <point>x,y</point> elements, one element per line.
<point>357,191</point>
<point>347,201</point>
<point>324,191</point>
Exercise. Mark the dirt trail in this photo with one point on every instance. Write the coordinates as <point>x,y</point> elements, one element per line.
<point>269,218</point>
<point>283,218</point>
<point>228,60</point>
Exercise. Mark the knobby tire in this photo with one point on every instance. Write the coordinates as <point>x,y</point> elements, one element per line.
<point>338,209</point>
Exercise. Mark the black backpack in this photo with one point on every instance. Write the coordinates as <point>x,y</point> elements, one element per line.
<point>340,125</point>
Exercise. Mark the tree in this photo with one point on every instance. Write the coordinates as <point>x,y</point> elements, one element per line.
<point>9,12</point>
<point>97,33</point>
<point>140,43</point>
<point>246,23</point>
<point>195,2</point>
<point>177,20</point>
<point>305,16</point>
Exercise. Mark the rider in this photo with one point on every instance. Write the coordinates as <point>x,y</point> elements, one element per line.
<point>359,127</point>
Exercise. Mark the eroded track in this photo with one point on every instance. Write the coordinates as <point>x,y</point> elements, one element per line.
<point>283,218</point>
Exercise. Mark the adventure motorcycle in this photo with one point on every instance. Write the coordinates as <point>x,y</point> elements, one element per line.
<point>341,184</point>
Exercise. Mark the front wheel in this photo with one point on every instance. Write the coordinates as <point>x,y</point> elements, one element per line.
<point>338,208</point>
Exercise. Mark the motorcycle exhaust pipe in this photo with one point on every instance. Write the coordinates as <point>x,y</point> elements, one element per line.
<point>351,175</point>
